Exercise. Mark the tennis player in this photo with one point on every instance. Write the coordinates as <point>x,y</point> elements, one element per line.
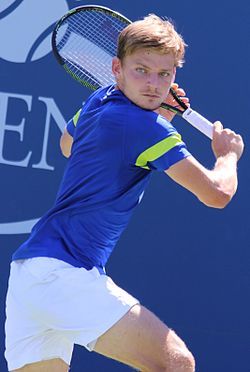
<point>59,294</point>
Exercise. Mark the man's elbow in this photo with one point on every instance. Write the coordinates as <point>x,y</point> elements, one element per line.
<point>218,200</point>
<point>65,151</point>
<point>66,143</point>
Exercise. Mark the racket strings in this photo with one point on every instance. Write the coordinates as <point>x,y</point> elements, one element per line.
<point>87,42</point>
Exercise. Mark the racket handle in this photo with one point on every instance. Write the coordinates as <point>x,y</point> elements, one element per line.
<point>199,122</point>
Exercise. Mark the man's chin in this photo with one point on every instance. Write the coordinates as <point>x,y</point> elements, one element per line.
<point>152,106</point>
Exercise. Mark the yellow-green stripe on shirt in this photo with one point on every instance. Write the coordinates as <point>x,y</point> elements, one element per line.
<point>76,117</point>
<point>157,150</point>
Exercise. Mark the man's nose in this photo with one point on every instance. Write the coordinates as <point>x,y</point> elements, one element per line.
<point>153,80</point>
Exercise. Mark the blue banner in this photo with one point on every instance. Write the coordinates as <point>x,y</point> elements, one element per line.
<point>189,264</point>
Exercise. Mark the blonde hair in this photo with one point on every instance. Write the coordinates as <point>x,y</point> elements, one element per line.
<point>152,32</point>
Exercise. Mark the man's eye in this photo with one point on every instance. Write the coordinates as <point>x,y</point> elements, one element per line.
<point>141,70</point>
<point>165,74</point>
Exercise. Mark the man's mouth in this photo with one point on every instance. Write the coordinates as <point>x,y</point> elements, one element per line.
<point>150,95</point>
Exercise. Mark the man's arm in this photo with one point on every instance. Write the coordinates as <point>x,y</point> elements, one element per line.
<point>215,188</point>
<point>66,141</point>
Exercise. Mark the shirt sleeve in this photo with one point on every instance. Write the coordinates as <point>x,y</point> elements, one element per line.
<point>154,144</point>
<point>71,125</point>
<point>92,101</point>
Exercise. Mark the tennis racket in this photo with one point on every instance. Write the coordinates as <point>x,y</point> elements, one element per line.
<point>84,41</point>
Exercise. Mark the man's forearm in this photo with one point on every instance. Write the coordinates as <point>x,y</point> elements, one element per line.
<point>225,173</point>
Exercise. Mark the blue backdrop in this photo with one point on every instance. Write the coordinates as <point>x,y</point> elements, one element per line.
<point>187,263</point>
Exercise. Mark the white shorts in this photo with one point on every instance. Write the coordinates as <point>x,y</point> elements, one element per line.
<point>52,305</point>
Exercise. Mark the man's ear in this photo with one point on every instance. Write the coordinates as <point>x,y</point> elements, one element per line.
<point>116,67</point>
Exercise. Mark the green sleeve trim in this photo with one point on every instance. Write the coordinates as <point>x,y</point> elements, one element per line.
<point>157,150</point>
<point>76,117</point>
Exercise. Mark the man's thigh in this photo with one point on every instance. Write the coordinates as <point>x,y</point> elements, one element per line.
<point>53,365</point>
<point>141,340</point>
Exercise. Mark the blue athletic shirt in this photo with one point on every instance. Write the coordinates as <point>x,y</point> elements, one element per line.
<point>116,147</point>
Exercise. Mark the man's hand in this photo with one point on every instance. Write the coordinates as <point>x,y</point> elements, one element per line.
<point>226,141</point>
<point>171,101</point>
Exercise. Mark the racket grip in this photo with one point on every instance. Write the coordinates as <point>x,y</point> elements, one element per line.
<point>199,122</point>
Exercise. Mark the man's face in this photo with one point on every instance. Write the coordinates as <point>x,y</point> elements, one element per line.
<point>145,77</point>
